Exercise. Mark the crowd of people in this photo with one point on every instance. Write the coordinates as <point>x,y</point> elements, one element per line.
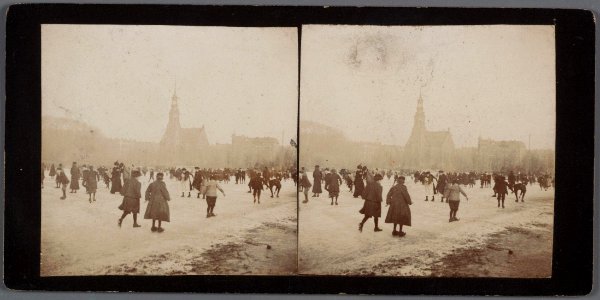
<point>125,180</point>
<point>366,184</point>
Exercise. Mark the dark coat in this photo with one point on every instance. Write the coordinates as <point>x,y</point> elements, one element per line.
<point>52,171</point>
<point>373,199</point>
<point>317,177</point>
<point>131,196</point>
<point>75,175</point>
<point>359,184</point>
<point>333,183</point>
<point>501,187</point>
<point>442,182</point>
<point>116,181</point>
<point>197,183</point>
<point>91,181</point>
<point>304,182</point>
<point>399,201</point>
<point>157,196</point>
<point>61,178</point>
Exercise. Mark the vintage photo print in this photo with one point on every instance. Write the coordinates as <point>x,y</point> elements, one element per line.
<point>166,150</point>
<point>427,150</point>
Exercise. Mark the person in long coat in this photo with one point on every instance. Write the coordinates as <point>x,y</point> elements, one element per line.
<point>359,184</point>
<point>157,209</point>
<point>441,184</point>
<point>198,180</point>
<point>373,198</point>
<point>131,198</point>
<point>399,212</point>
<point>116,179</point>
<point>304,184</point>
<point>317,177</point>
<point>75,175</point>
<point>52,171</point>
<point>91,183</point>
<point>333,184</point>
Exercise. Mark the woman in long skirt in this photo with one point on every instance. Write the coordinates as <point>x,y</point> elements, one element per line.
<point>333,185</point>
<point>157,209</point>
<point>131,198</point>
<point>399,212</point>
<point>91,184</point>
<point>373,198</point>
<point>116,180</point>
<point>317,177</point>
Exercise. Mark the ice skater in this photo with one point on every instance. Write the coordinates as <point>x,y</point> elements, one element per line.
<point>211,195</point>
<point>373,198</point>
<point>304,184</point>
<point>333,185</point>
<point>256,184</point>
<point>453,195</point>
<point>62,181</point>
<point>399,212</point>
<point>91,183</point>
<point>157,209</point>
<point>131,198</point>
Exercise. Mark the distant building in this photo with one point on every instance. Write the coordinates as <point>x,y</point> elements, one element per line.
<point>250,151</point>
<point>181,145</point>
<point>427,149</point>
<point>496,155</point>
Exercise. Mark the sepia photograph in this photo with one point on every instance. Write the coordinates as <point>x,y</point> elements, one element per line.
<point>427,151</point>
<point>168,150</point>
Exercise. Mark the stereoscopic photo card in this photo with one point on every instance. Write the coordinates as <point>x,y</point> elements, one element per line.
<point>372,150</point>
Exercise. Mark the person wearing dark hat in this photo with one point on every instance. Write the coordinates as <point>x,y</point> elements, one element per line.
<point>399,212</point>
<point>333,185</point>
<point>317,177</point>
<point>75,175</point>
<point>91,183</point>
<point>359,184</point>
<point>131,198</point>
<point>62,180</point>
<point>157,209</point>
<point>373,198</point>
<point>453,194</point>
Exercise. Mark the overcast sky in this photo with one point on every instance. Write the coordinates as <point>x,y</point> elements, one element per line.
<point>494,81</point>
<point>121,78</point>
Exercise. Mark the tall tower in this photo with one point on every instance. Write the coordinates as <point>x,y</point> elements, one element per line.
<point>174,112</point>
<point>419,122</point>
<point>172,133</point>
<point>416,142</point>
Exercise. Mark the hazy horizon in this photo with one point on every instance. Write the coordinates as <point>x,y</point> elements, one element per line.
<point>493,81</point>
<point>120,79</point>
